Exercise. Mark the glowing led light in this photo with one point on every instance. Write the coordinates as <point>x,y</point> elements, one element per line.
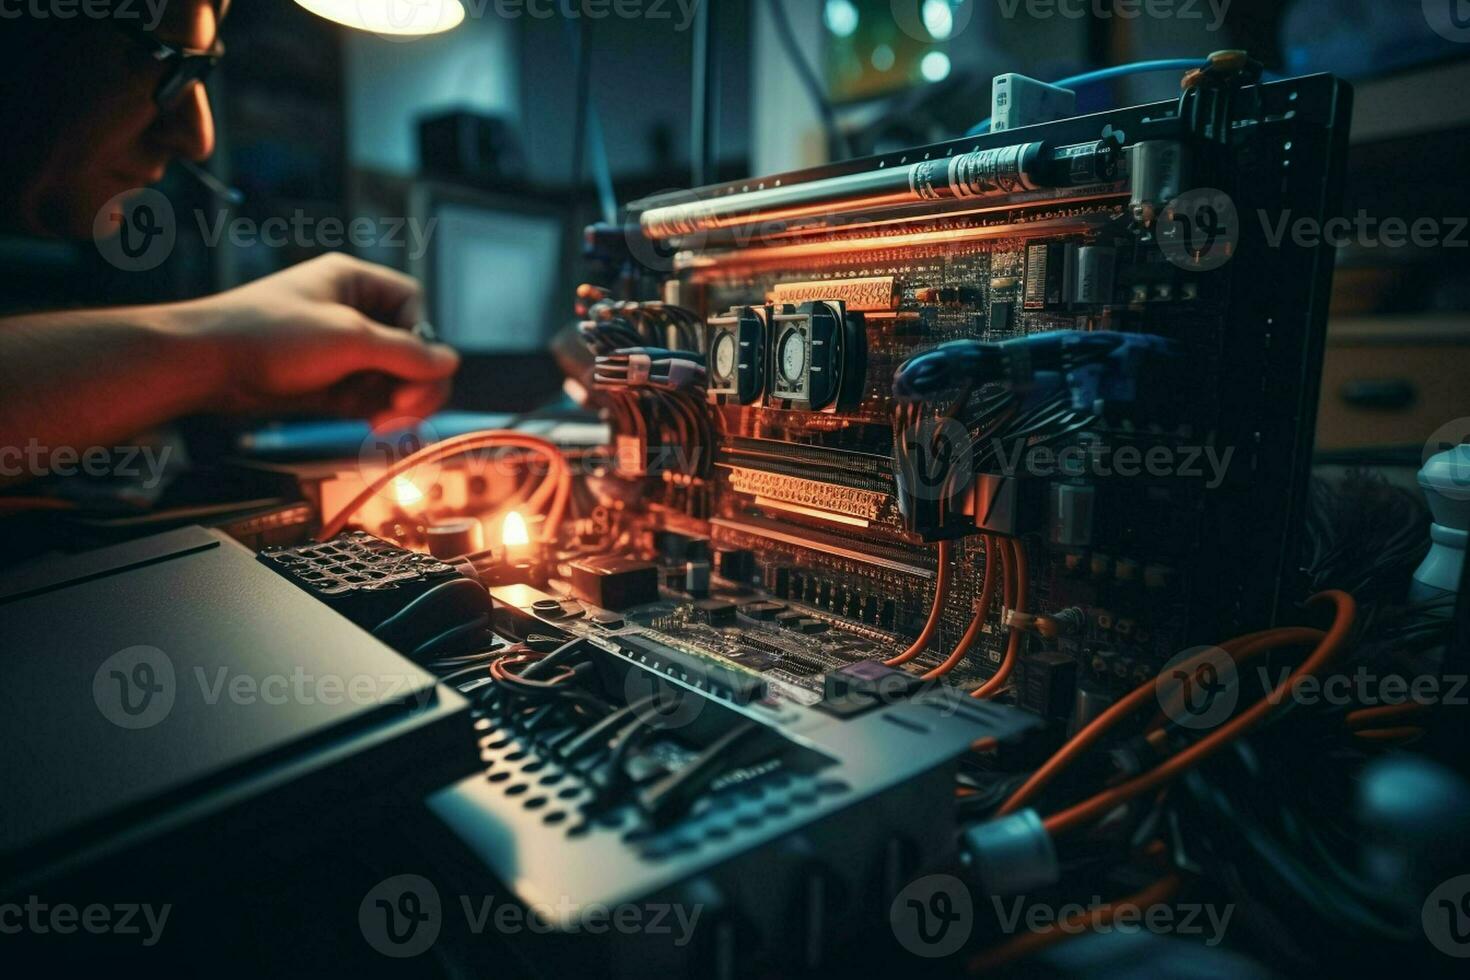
<point>513,533</point>
<point>405,18</point>
<point>406,492</point>
<point>935,66</point>
<point>841,17</point>
<point>938,18</point>
<point>883,57</point>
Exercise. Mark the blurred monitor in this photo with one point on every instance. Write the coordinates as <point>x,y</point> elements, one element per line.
<point>496,271</point>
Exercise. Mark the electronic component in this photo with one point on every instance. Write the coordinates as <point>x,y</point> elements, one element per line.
<point>363,577</point>
<point>1016,100</point>
<point>614,582</point>
<point>820,357</point>
<point>737,353</point>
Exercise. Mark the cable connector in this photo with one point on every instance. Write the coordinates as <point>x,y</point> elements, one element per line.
<point>1011,855</point>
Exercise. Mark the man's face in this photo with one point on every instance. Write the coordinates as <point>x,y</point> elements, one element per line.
<point>110,137</point>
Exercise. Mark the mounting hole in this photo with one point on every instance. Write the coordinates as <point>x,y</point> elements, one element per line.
<point>516,789</point>
<point>554,817</point>
<point>499,777</point>
<point>535,803</point>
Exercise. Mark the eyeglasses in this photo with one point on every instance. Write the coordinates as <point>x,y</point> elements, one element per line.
<point>182,66</point>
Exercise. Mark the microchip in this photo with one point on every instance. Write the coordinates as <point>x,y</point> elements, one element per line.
<point>615,583</point>
<point>715,612</point>
<point>755,659</point>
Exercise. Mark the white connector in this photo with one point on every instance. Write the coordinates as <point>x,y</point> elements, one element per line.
<point>1016,100</point>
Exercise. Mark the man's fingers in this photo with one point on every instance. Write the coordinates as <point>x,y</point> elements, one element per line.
<point>417,401</point>
<point>401,354</point>
<point>386,295</point>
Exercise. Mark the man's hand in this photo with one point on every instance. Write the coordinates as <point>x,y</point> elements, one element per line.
<point>329,336</point>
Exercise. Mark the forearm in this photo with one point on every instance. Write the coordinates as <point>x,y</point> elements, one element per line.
<point>98,377</point>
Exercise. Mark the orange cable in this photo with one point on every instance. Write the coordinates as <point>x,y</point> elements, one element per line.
<point>1125,707</point>
<point>982,609</point>
<point>1401,733</point>
<point>1364,716</point>
<point>493,438</point>
<point>1157,893</point>
<point>936,611</point>
<point>1115,796</point>
<point>1017,573</point>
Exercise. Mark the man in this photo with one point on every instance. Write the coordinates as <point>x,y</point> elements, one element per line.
<point>93,108</point>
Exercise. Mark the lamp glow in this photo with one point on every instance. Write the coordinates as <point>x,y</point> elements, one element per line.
<point>406,492</point>
<point>403,18</point>
<point>513,533</point>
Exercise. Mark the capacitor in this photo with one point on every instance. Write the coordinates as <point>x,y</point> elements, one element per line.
<point>1157,171</point>
<point>1088,706</point>
<point>1157,577</point>
<point>1091,279</point>
<point>1071,514</point>
<point>452,538</point>
<point>696,578</point>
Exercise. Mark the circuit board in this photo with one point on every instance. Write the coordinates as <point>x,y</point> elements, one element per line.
<point>1148,542</point>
